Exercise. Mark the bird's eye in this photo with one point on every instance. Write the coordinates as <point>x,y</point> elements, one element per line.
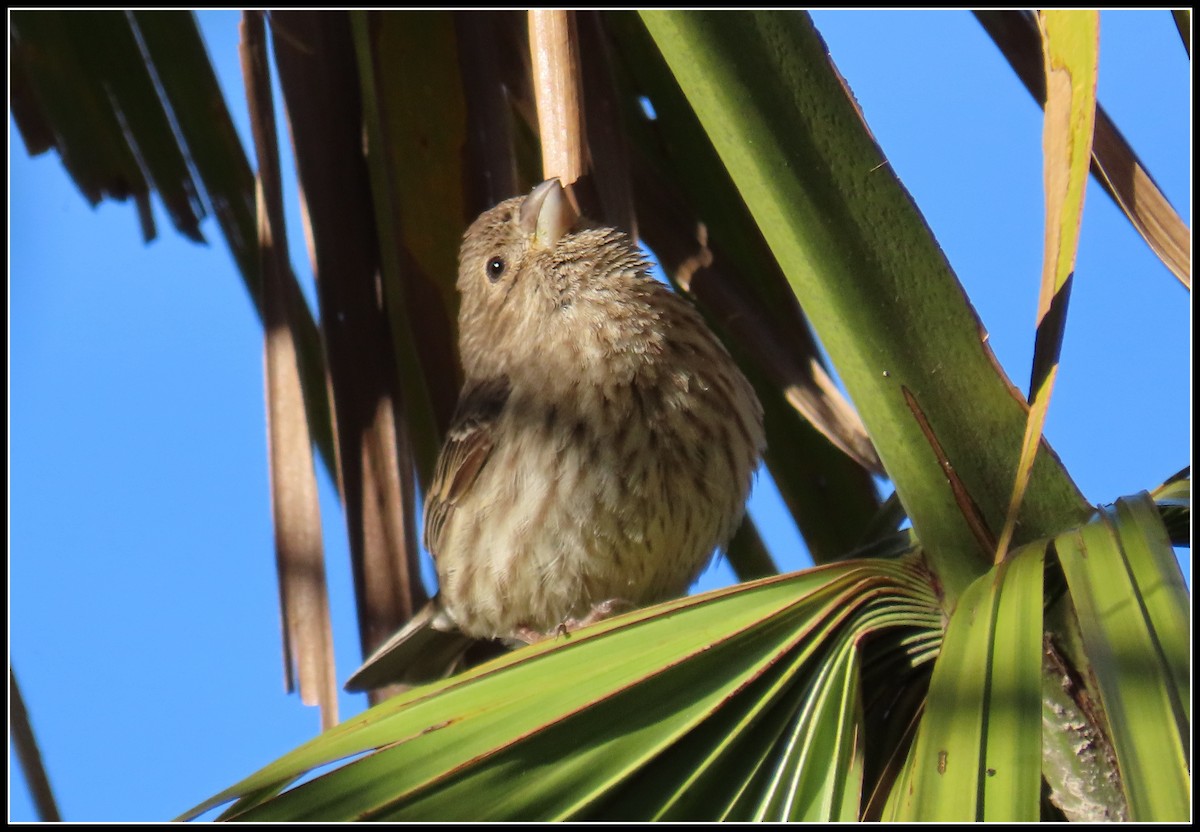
<point>495,268</point>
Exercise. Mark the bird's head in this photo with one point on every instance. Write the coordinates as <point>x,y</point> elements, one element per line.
<point>535,277</point>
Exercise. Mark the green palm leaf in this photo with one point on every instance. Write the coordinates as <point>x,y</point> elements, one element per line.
<point>1127,591</point>
<point>637,714</point>
<point>978,750</point>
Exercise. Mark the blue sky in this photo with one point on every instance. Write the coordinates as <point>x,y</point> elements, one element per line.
<point>144,625</point>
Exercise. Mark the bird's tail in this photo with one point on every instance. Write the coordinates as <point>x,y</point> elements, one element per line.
<point>427,648</point>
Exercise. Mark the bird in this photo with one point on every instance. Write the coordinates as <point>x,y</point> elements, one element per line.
<point>601,451</point>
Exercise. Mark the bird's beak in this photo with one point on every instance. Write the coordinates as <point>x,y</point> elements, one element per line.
<point>547,214</point>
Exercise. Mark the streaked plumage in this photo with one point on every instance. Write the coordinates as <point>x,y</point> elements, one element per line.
<point>602,447</point>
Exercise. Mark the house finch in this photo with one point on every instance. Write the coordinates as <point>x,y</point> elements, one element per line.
<point>602,447</point>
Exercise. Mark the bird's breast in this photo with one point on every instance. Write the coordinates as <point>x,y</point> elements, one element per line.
<point>596,496</point>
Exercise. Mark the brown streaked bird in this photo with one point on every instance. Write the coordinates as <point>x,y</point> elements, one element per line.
<point>602,448</point>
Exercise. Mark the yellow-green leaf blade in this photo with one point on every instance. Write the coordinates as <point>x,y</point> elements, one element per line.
<point>1137,687</point>
<point>1012,775</point>
<point>1160,584</point>
<point>977,755</point>
<point>1070,42</point>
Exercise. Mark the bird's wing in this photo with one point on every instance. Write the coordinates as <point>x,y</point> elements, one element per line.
<point>468,445</point>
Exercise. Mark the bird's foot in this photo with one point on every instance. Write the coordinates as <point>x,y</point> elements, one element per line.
<point>599,612</point>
